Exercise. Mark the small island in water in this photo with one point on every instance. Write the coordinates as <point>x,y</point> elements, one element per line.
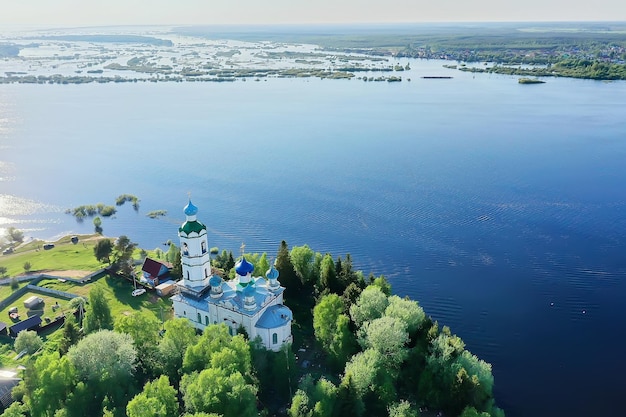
<point>530,81</point>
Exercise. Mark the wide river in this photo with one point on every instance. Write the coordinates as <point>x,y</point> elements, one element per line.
<point>500,207</point>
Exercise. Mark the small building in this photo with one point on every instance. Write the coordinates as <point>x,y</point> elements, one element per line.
<point>3,328</point>
<point>28,324</point>
<point>33,301</point>
<point>154,272</point>
<point>165,288</point>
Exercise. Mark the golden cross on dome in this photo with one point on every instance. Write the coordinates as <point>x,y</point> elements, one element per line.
<point>243,248</point>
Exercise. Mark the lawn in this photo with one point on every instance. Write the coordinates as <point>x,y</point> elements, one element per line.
<point>64,256</point>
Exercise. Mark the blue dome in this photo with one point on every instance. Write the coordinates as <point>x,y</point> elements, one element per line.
<point>190,209</point>
<point>249,291</point>
<point>215,281</point>
<point>272,273</point>
<point>243,267</point>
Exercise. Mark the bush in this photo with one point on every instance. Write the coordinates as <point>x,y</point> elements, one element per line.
<point>28,340</point>
<point>14,284</point>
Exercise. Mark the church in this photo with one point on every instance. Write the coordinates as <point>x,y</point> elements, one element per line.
<point>204,297</point>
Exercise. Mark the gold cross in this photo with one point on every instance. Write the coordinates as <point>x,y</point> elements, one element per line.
<point>243,248</point>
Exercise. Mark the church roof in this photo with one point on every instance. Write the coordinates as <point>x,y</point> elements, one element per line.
<point>272,273</point>
<point>275,316</point>
<point>191,226</point>
<point>190,209</point>
<point>243,267</point>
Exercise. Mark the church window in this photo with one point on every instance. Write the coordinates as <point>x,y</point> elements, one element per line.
<point>185,249</point>
<point>206,320</point>
<point>230,330</point>
<point>274,338</point>
<point>206,273</point>
<point>203,246</point>
<point>187,274</point>
<point>199,318</point>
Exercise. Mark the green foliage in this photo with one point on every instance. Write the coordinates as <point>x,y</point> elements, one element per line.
<point>158,399</point>
<point>332,329</point>
<point>215,390</point>
<point>179,334</point>
<point>371,305</point>
<point>123,254</point>
<point>16,409</point>
<point>71,336</point>
<point>51,381</point>
<point>27,266</point>
<point>103,249</point>
<point>98,313</point>
<point>382,283</point>
<point>14,283</point>
<point>217,348</point>
<point>402,409</point>
<point>104,356</point>
<point>303,260</point>
<point>314,400</point>
<point>144,330</point>
<point>29,341</point>
<point>408,311</point>
<point>388,336</point>
<point>288,276</point>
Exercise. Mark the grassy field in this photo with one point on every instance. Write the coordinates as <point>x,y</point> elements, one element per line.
<point>64,256</point>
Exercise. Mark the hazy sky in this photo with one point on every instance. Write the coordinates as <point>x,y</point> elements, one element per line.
<point>131,12</point>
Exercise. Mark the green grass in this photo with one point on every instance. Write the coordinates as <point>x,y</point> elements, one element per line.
<point>64,256</point>
<point>44,309</point>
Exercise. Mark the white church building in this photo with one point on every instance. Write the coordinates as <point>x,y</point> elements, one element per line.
<point>255,303</point>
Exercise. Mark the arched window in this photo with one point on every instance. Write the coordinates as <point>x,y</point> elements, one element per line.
<point>203,246</point>
<point>274,338</point>
<point>187,274</point>
<point>206,273</point>
<point>206,320</point>
<point>199,318</point>
<point>185,249</point>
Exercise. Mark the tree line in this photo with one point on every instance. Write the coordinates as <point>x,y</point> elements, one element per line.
<point>377,354</point>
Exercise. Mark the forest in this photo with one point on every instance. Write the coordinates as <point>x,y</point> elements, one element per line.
<point>368,353</point>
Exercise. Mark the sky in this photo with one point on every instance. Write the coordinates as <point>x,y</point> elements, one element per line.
<point>166,12</point>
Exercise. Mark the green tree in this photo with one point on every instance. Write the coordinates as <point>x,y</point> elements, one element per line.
<point>158,399</point>
<point>303,260</point>
<point>98,313</point>
<point>123,254</point>
<point>103,249</point>
<point>27,266</point>
<point>16,409</point>
<point>55,380</point>
<point>328,276</point>
<point>217,348</point>
<point>402,409</point>
<point>371,305</point>
<point>372,381</point>
<point>104,356</point>
<point>287,272</point>
<point>3,271</point>
<point>215,390</point>
<point>261,266</point>
<point>71,335</point>
<point>388,336</point>
<point>179,334</point>
<point>408,311</point>
<point>332,329</point>
<point>144,329</point>
<point>29,341</point>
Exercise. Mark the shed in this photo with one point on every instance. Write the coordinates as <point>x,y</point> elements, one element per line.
<point>28,324</point>
<point>166,288</point>
<point>33,301</point>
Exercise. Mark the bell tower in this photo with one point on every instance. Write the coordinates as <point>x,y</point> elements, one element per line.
<point>194,251</point>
